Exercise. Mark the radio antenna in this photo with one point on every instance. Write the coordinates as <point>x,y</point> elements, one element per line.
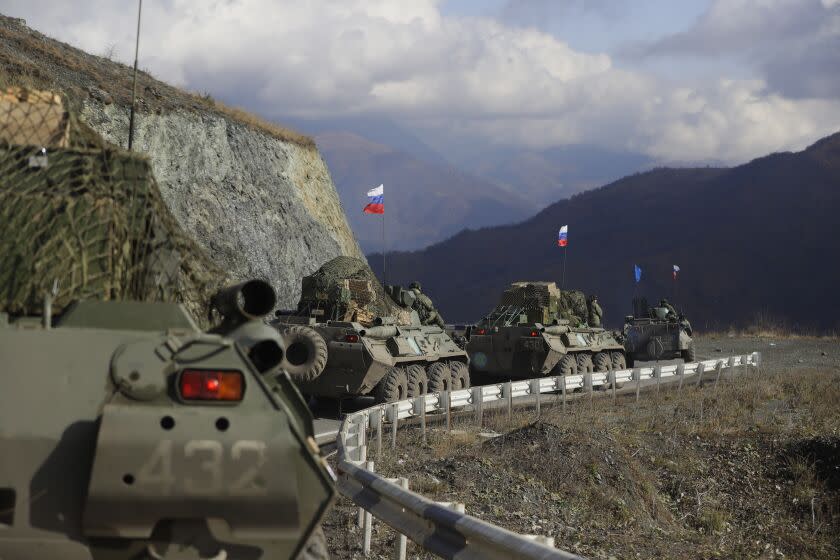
<point>134,85</point>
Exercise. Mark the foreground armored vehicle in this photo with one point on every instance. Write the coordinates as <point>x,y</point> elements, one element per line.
<point>127,432</point>
<point>657,333</point>
<point>348,337</point>
<point>525,337</point>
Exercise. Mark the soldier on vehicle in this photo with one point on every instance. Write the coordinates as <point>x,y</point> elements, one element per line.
<point>567,314</point>
<point>672,313</point>
<point>595,312</point>
<point>424,307</point>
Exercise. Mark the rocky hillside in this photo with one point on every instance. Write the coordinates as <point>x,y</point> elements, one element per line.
<point>256,196</point>
<point>754,242</point>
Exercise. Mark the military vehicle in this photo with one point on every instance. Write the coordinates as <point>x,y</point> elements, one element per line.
<point>125,430</point>
<point>350,337</point>
<point>657,333</point>
<point>525,337</point>
<point>128,432</point>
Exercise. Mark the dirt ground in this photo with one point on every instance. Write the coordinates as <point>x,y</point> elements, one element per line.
<point>748,470</point>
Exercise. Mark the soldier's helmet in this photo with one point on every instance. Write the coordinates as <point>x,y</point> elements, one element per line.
<point>663,301</point>
<point>415,286</point>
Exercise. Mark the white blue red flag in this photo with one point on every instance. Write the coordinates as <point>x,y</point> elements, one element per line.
<point>376,204</point>
<point>676,269</point>
<point>563,236</point>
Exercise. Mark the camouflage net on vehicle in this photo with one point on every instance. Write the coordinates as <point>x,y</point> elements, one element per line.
<point>346,289</point>
<point>85,217</point>
<point>542,301</point>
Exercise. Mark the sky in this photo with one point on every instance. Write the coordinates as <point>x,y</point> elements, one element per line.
<point>694,80</point>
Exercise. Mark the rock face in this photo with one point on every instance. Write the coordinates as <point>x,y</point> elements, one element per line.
<point>261,206</point>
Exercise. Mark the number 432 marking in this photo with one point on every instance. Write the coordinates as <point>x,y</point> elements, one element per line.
<point>209,478</point>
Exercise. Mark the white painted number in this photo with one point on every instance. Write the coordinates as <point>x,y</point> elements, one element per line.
<point>248,457</point>
<point>248,484</point>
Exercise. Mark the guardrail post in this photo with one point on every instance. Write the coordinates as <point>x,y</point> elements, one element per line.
<point>534,388</point>
<point>447,406</point>
<point>368,523</point>
<point>718,369</point>
<point>561,380</point>
<point>612,383</point>
<point>657,373</point>
<point>402,541</point>
<point>681,374</point>
<point>507,393</point>
<point>587,384</point>
<point>420,410</point>
<point>637,376</point>
<point>377,417</point>
<point>478,403</point>
<point>395,419</point>
<point>731,366</point>
<point>701,369</point>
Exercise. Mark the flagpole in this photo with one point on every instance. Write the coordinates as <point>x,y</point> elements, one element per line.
<point>384,267</point>
<point>563,280</point>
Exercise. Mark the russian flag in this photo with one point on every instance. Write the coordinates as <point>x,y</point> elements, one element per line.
<point>676,269</point>
<point>563,236</point>
<point>375,203</point>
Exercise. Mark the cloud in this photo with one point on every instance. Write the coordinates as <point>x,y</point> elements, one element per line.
<point>478,78</point>
<point>794,44</point>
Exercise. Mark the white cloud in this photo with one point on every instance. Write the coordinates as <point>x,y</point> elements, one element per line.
<point>469,76</point>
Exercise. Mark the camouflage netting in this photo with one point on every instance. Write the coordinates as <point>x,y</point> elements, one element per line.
<point>346,289</point>
<point>85,216</point>
<point>541,301</point>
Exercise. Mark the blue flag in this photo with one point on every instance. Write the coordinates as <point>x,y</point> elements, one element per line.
<point>638,272</point>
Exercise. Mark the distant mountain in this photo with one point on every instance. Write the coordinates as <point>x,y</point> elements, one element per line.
<point>425,202</point>
<point>546,176</point>
<point>760,239</point>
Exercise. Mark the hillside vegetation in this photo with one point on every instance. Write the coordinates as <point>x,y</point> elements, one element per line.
<point>759,239</point>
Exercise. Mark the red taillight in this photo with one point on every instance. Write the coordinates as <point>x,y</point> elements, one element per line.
<point>351,338</point>
<point>210,385</point>
<point>482,331</point>
<point>535,333</point>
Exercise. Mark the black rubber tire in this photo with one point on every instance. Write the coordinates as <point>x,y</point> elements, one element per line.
<point>618,360</point>
<point>392,387</point>
<point>316,546</point>
<point>630,361</point>
<point>308,351</point>
<point>584,363</point>
<point>418,382</point>
<point>602,361</point>
<point>440,378</point>
<point>689,355</point>
<point>566,366</point>
<point>460,375</point>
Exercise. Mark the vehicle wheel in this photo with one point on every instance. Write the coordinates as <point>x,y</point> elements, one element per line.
<point>392,387</point>
<point>688,355</point>
<point>460,375</point>
<point>316,547</point>
<point>440,378</point>
<point>618,362</point>
<point>584,363</point>
<point>418,383</point>
<point>630,361</point>
<point>602,361</point>
<point>306,353</point>
<point>566,366</point>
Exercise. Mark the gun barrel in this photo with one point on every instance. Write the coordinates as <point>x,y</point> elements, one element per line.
<point>249,300</point>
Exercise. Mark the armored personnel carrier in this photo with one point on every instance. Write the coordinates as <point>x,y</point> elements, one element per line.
<point>350,337</point>
<point>525,337</point>
<point>657,333</point>
<point>127,431</point>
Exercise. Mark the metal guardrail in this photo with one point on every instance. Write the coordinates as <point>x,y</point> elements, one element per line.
<point>442,530</point>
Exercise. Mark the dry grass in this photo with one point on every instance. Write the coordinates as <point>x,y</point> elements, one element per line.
<point>750,469</point>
